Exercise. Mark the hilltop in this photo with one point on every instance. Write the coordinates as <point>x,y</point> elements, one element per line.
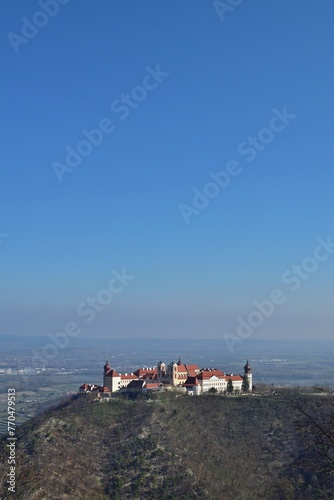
<point>175,446</point>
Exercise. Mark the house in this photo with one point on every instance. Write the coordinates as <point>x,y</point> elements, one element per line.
<point>143,386</point>
<point>87,388</point>
<point>192,386</point>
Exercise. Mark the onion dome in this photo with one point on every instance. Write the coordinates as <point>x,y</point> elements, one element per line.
<point>247,368</point>
<point>107,367</point>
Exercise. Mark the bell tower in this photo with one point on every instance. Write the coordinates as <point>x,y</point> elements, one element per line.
<point>106,370</point>
<point>248,375</point>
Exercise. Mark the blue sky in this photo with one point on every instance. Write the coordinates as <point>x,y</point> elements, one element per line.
<point>120,207</point>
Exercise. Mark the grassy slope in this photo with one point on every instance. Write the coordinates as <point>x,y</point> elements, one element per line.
<point>184,447</point>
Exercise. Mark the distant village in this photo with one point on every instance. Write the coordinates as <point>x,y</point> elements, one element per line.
<point>188,378</point>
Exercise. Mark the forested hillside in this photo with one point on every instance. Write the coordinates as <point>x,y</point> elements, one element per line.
<point>206,447</point>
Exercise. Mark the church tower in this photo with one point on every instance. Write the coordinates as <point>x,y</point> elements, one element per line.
<point>111,378</point>
<point>106,370</point>
<point>248,375</point>
<point>161,372</point>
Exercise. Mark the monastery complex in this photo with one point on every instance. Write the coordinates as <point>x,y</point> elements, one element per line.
<point>175,376</point>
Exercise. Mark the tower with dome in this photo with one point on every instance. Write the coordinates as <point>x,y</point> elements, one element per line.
<point>248,375</point>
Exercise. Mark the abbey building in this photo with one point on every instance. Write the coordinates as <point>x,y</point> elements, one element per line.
<point>188,378</point>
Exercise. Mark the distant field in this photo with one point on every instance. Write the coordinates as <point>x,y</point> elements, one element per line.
<point>30,403</point>
<point>283,363</point>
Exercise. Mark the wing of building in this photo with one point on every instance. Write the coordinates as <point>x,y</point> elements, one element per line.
<point>211,378</point>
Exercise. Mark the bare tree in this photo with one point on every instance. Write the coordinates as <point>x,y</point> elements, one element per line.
<point>315,424</point>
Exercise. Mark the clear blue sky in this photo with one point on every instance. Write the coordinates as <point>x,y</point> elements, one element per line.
<point>120,206</point>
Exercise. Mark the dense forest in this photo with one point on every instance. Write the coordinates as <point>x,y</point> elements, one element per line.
<point>175,446</point>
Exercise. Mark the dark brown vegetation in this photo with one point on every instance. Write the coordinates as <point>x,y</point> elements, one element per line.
<point>207,447</point>
<point>315,425</point>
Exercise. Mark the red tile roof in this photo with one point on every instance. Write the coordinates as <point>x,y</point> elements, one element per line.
<point>192,368</point>
<point>89,387</point>
<point>153,385</point>
<point>104,388</point>
<point>181,368</point>
<point>234,377</point>
<point>141,372</point>
<point>208,373</point>
<point>84,386</point>
<point>112,373</point>
<point>128,377</point>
